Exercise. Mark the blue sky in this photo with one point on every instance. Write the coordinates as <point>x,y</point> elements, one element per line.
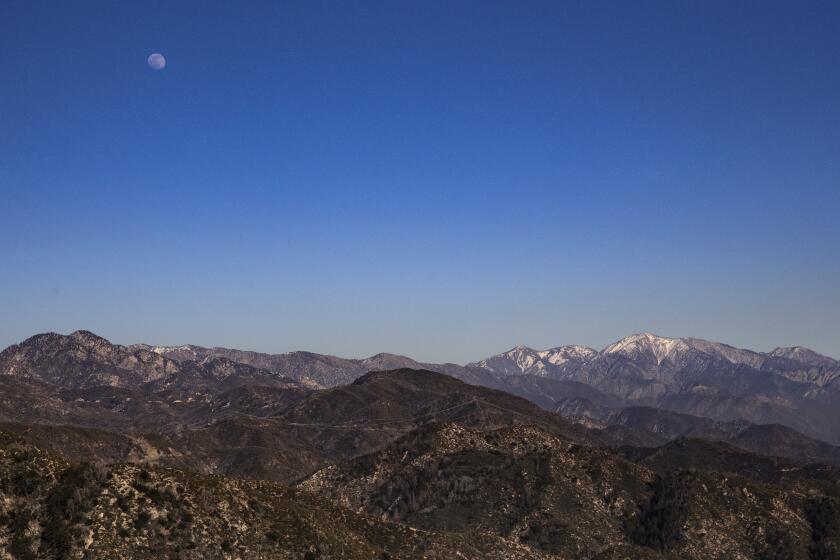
<point>439,179</point>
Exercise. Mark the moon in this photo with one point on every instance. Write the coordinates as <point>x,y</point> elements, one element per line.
<point>156,61</point>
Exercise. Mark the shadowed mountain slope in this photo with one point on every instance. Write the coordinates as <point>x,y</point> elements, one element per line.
<point>764,439</point>
<point>52,508</point>
<point>256,431</point>
<point>568,500</point>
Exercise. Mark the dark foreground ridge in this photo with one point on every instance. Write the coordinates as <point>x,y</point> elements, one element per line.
<point>55,509</point>
<point>441,491</point>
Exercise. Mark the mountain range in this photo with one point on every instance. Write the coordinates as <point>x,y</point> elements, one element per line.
<point>793,386</point>
<point>649,448</point>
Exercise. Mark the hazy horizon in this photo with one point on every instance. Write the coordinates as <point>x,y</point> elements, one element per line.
<point>439,181</point>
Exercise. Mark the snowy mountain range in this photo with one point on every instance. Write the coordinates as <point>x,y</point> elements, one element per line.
<point>656,353</point>
<point>793,386</point>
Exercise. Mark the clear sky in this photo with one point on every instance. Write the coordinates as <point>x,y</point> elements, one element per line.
<point>439,179</point>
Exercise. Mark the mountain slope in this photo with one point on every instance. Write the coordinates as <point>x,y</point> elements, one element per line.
<point>554,362</point>
<point>257,431</point>
<point>55,509</point>
<point>795,387</point>
<point>321,370</point>
<point>520,482</point>
<point>83,360</point>
<point>573,501</point>
<point>764,439</point>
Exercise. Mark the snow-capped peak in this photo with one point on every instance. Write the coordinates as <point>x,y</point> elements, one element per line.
<point>563,354</point>
<point>634,345</point>
<point>519,359</point>
<point>804,356</point>
<point>525,358</point>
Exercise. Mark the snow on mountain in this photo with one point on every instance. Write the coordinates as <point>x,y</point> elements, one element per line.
<point>804,356</point>
<point>523,360</point>
<point>728,353</point>
<point>638,345</point>
<point>564,354</point>
<point>686,349</point>
<point>517,360</point>
<point>792,386</point>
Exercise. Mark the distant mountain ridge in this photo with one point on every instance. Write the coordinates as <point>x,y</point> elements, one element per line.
<point>554,362</point>
<point>311,369</point>
<point>85,360</point>
<point>560,362</point>
<point>793,386</point>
